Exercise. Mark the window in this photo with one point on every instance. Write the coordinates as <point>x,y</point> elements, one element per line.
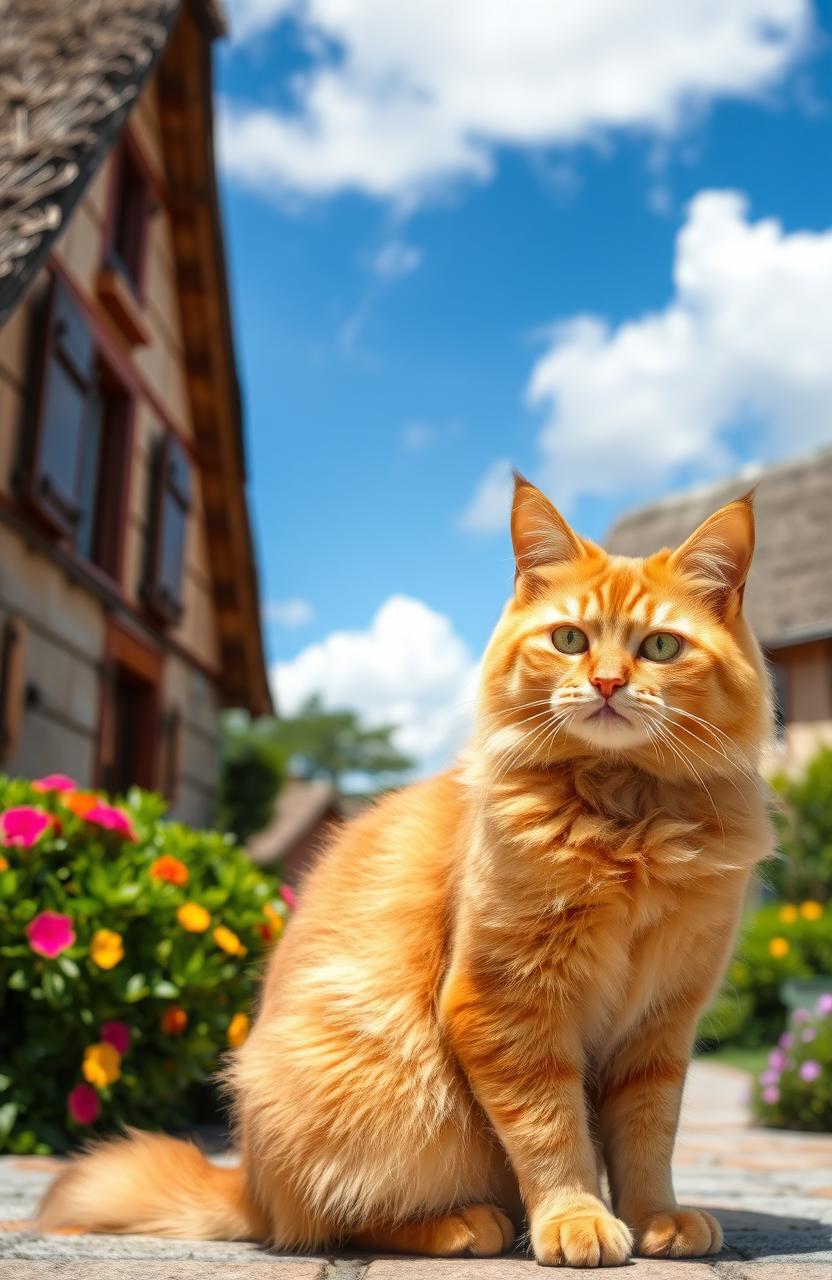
<point>169,525</point>
<point>131,210</point>
<point>79,443</point>
<point>129,713</point>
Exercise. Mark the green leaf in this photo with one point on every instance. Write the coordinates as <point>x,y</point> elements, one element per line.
<point>164,990</point>
<point>8,1115</point>
<point>136,988</point>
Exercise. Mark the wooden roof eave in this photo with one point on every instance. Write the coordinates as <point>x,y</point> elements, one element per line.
<point>185,106</point>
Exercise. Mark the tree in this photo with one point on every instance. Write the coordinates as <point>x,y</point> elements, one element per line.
<point>332,744</point>
<point>251,772</point>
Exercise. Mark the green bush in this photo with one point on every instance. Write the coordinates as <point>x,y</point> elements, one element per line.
<point>251,774</point>
<point>803,823</point>
<point>129,956</point>
<point>794,1091</point>
<point>778,942</point>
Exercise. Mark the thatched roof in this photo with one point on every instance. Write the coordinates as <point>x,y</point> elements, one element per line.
<point>789,595</point>
<point>69,72</point>
<point>301,805</point>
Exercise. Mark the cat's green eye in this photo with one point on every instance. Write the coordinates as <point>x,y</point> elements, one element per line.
<point>569,640</point>
<point>660,647</point>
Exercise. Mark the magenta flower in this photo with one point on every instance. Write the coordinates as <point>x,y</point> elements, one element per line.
<point>825,1003</point>
<point>111,819</point>
<point>786,1040</point>
<point>800,1015</point>
<point>84,1104</point>
<point>50,933</point>
<point>771,1095</point>
<point>777,1060</point>
<point>808,1034</point>
<point>810,1070</point>
<point>117,1034</point>
<point>289,896</point>
<point>54,782</point>
<point>24,825</point>
<point>769,1077</point>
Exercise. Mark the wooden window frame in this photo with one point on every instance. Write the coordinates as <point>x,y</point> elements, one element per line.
<point>169,451</point>
<point>123,648</point>
<point>134,274</point>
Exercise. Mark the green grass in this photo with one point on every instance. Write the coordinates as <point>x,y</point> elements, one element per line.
<point>751,1060</point>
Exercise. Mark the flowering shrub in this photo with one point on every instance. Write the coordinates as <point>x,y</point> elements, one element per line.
<point>130,949</point>
<point>795,1089</point>
<point>778,942</point>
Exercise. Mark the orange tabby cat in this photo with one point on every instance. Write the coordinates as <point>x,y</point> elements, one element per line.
<point>492,981</point>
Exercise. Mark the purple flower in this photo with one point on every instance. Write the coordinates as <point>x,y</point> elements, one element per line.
<point>786,1040</point>
<point>800,1015</point>
<point>777,1059</point>
<point>769,1077</point>
<point>808,1034</point>
<point>825,1003</point>
<point>810,1070</point>
<point>771,1095</point>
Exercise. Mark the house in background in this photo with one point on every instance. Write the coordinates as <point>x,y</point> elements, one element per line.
<point>788,599</point>
<point>306,812</point>
<point>128,592</point>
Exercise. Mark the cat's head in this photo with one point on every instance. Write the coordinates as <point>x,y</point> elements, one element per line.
<point>602,655</point>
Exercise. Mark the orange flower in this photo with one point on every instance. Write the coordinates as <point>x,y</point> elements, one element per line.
<point>787,913</point>
<point>101,1065</point>
<point>811,910</point>
<point>4,863</point>
<point>80,802</point>
<point>106,948</point>
<point>228,941</point>
<point>779,947</point>
<point>193,917</point>
<point>174,1020</point>
<point>237,1030</point>
<point>170,869</point>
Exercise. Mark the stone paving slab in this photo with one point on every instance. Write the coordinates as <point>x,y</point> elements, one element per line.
<point>772,1191</point>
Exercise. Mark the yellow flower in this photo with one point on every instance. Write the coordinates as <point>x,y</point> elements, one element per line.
<point>4,863</point>
<point>787,914</point>
<point>101,1065</point>
<point>778,947</point>
<point>228,941</point>
<point>238,1030</point>
<point>811,910</point>
<point>193,917</point>
<point>106,948</point>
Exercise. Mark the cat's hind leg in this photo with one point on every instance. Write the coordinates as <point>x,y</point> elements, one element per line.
<point>478,1231</point>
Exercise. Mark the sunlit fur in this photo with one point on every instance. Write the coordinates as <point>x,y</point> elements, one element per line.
<point>492,981</point>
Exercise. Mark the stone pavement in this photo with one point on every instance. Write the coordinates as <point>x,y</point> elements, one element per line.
<point>772,1192</point>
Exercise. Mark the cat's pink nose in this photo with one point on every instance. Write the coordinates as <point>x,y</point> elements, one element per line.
<point>607,685</point>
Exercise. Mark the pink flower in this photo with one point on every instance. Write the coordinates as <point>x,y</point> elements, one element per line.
<point>111,819</point>
<point>54,782</point>
<point>24,825</point>
<point>808,1035</point>
<point>769,1077</point>
<point>50,933</point>
<point>117,1034</point>
<point>825,1003</point>
<point>84,1104</point>
<point>810,1070</point>
<point>786,1040</point>
<point>771,1095</point>
<point>800,1015</point>
<point>289,896</point>
<point>777,1059</point>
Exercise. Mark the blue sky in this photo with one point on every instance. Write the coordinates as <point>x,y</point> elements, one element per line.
<point>595,245</point>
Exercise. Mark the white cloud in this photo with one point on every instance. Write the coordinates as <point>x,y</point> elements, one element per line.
<point>409,668</point>
<point>420,92</point>
<point>395,259</point>
<point>488,510</point>
<point>743,343</point>
<point>290,613</point>
<point>418,436</point>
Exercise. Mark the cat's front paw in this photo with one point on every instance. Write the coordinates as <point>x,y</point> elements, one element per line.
<point>582,1240</point>
<point>678,1233</point>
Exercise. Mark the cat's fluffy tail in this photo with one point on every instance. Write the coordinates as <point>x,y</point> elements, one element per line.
<point>147,1183</point>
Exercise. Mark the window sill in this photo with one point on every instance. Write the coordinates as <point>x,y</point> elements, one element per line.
<point>120,301</point>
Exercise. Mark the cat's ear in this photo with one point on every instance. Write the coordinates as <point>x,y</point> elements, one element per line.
<point>717,555</point>
<point>539,533</point>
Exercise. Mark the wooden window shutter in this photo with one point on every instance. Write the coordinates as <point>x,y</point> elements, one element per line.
<point>12,685</point>
<point>65,378</point>
<point>169,523</point>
